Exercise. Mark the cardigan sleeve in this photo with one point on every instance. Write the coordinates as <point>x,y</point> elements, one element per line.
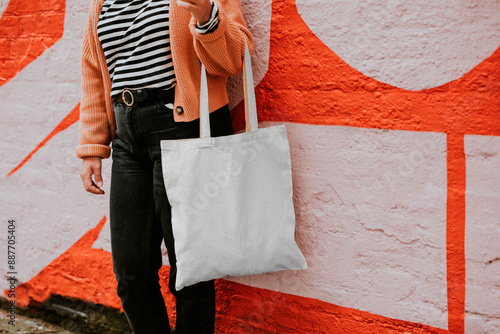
<point>94,133</point>
<point>222,51</point>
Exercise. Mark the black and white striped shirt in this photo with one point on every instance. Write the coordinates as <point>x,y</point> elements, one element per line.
<point>135,37</point>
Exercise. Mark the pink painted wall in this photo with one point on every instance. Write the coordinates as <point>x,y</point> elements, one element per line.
<point>393,116</point>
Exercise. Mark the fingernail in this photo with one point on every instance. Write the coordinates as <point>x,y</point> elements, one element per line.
<point>99,184</point>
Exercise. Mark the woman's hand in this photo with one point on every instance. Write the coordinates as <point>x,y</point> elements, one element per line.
<point>200,9</point>
<point>92,166</point>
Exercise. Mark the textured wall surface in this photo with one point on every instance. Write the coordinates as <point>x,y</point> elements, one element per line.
<point>393,114</point>
<point>371,243</point>
<point>482,249</point>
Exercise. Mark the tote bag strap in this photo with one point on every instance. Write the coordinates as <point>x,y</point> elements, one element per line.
<point>251,120</point>
<point>249,96</point>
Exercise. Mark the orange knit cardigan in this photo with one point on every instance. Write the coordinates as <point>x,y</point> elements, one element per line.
<point>221,51</point>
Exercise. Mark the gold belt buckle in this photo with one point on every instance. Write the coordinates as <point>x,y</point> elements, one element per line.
<point>124,93</point>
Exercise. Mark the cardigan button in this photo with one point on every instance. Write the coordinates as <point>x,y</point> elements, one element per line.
<point>179,110</point>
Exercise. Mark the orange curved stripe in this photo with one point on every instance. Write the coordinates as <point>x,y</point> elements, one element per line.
<point>69,120</point>
<point>320,88</point>
<point>308,83</point>
<point>27,29</point>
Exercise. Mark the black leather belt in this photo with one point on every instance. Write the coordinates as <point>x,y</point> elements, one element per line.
<point>131,97</point>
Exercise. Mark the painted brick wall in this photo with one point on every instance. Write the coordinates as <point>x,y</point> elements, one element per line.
<point>393,115</point>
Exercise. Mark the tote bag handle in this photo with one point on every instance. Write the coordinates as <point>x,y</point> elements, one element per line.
<point>249,97</point>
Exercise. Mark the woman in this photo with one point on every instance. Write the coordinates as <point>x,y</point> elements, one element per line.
<point>141,63</point>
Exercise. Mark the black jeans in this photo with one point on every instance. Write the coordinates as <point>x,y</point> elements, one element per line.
<point>140,218</point>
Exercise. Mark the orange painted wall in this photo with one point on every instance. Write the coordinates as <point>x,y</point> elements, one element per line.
<point>306,83</point>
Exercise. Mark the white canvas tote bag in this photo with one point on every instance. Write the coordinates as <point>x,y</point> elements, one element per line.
<point>231,198</point>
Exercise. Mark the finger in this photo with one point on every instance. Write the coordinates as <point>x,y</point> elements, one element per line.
<point>185,5</point>
<point>200,9</point>
<point>188,2</point>
<point>96,190</point>
<point>191,5</point>
<point>89,185</point>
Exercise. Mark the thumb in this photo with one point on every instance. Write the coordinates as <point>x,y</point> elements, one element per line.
<point>98,177</point>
